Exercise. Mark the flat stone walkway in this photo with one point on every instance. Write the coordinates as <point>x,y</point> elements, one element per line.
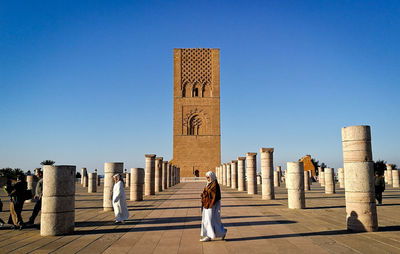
<point>169,222</point>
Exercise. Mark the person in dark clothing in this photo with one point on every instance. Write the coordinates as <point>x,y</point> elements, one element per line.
<point>379,187</point>
<point>38,197</point>
<point>17,197</point>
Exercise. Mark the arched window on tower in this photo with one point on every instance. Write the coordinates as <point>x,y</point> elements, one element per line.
<point>196,92</point>
<point>206,90</point>
<point>194,127</point>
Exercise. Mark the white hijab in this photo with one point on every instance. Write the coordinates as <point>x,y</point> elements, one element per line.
<point>212,177</point>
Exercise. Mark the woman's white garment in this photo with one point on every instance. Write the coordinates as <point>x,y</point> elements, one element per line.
<point>211,225</point>
<point>119,202</point>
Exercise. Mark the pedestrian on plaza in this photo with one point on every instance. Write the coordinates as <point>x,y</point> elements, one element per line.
<point>211,225</point>
<point>379,187</point>
<point>38,197</point>
<point>119,200</point>
<point>17,197</point>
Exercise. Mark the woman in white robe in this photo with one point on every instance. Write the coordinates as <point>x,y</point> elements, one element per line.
<point>211,225</point>
<point>119,200</point>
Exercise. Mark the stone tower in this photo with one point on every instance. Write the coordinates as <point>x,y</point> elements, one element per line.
<point>197,134</point>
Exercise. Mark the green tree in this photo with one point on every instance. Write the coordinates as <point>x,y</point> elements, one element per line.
<point>380,166</point>
<point>47,162</point>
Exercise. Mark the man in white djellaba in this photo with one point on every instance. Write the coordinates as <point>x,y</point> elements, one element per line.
<point>119,200</point>
<point>211,225</point>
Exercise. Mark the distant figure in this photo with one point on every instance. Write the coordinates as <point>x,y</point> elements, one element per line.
<point>119,200</point>
<point>38,197</point>
<point>379,187</point>
<point>17,195</point>
<point>211,226</point>
<point>1,209</point>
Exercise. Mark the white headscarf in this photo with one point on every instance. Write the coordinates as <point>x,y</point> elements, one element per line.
<point>118,176</point>
<point>212,177</point>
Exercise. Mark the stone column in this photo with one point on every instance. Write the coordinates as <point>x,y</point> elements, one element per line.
<point>258,179</point>
<point>307,186</point>
<point>395,178</point>
<point>110,169</point>
<point>31,185</point>
<point>234,182</point>
<point>224,174</point>
<point>329,181</point>
<point>341,177</point>
<point>322,178</point>
<point>173,175</point>
<point>389,174</point>
<point>83,173</point>
<point>359,179</point>
<point>127,180</point>
<point>98,180</point>
<point>164,175</point>
<point>169,173</point>
<point>310,177</point>
<point>267,173</point>
<point>178,175</point>
<point>251,170</point>
<point>228,175</point>
<point>276,179</point>
<point>385,176</point>
<point>295,183</point>
<point>149,175</point>
<point>279,170</point>
<point>241,174</point>
<point>58,201</point>
<point>158,174</point>
<point>92,186</point>
<point>85,181</point>
<point>137,181</point>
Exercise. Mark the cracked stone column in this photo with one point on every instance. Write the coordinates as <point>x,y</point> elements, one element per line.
<point>307,186</point>
<point>241,174</point>
<point>110,169</point>
<point>329,181</point>
<point>58,201</point>
<point>224,174</point>
<point>389,174</point>
<point>359,179</point>
<point>251,171</point>
<point>158,174</point>
<point>83,173</point>
<point>149,175</point>
<point>92,186</point>
<point>341,177</point>
<point>165,175</point>
<point>295,184</point>
<point>395,178</point>
<point>228,175</point>
<point>267,173</point>
<point>234,171</point>
<point>137,182</point>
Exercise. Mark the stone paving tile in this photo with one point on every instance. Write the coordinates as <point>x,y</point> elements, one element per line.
<point>169,222</point>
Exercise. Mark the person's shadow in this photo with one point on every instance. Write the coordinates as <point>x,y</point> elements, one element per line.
<point>353,224</point>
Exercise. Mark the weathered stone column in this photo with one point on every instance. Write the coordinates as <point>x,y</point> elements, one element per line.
<point>307,186</point>
<point>329,181</point>
<point>395,178</point>
<point>31,185</point>
<point>83,173</point>
<point>341,177</point>
<point>58,201</point>
<point>295,184</point>
<point>92,186</point>
<point>224,174</point>
<point>234,182</point>
<point>127,180</point>
<point>389,174</point>
<point>228,175</point>
<point>137,181</point>
<point>85,181</point>
<point>173,175</point>
<point>385,176</point>
<point>169,174</point>
<point>258,179</point>
<point>241,174</point>
<point>251,171</point>
<point>98,180</point>
<point>322,178</point>
<point>164,175</point>
<point>149,175</point>
<point>267,173</point>
<point>158,174</point>
<point>279,170</point>
<point>359,179</point>
<point>179,175</point>
<point>110,169</point>
<point>276,179</point>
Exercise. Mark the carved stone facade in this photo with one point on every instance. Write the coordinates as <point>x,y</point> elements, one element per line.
<point>197,134</point>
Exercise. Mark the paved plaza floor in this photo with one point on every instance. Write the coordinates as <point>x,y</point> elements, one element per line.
<point>169,222</point>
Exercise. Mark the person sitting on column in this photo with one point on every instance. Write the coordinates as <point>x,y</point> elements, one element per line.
<point>211,225</point>
<point>119,200</point>
<point>38,197</point>
<point>379,187</point>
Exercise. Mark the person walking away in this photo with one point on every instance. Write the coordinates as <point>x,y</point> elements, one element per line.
<point>119,200</point>
<point>211,225</point>
<point>38,198</point>
<point>17,197</point>
<point>379,187</point>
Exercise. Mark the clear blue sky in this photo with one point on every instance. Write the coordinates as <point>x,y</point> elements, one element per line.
<point>87,82</point>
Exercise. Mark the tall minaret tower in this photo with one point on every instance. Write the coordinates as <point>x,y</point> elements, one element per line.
<point>197,133</point>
